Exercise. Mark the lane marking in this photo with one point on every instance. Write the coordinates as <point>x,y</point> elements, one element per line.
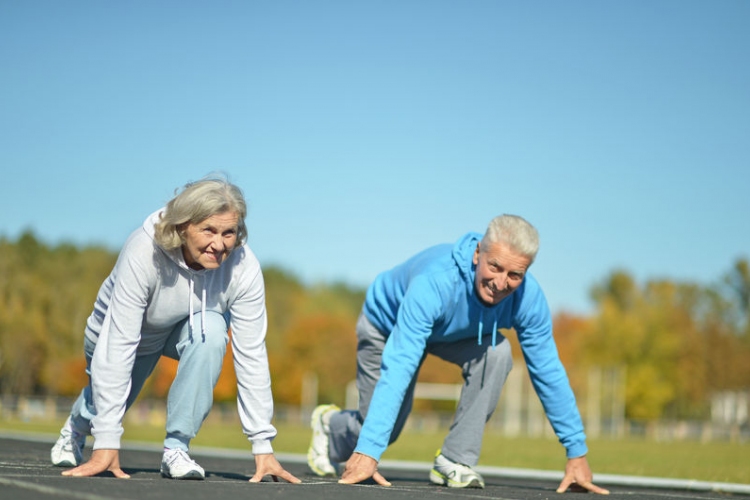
<point>49,490</point>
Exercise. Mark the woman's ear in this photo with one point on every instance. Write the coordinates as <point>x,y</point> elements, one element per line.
<point>181,231</point>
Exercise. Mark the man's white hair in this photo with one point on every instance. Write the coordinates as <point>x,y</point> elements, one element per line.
<point>515,232</point>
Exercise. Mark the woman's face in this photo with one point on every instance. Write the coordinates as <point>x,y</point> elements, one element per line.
<point>207,243</point>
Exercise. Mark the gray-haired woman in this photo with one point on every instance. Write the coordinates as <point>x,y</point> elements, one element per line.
<point>180,282</point>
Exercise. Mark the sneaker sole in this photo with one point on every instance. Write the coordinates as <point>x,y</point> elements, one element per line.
<point>318,471</point>
<point>317,427</point>
<point>194,475</point>
<point>65,463</point>
<point>437,478</point>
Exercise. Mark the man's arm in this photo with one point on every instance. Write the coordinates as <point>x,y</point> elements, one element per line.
<point>533,324</point>
<point>550,380</point>
<point>402,355</point>
<point>578,473</point>
<point>403,352</point>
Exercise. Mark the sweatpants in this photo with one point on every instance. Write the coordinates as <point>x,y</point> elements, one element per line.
<point>484,369</point>
<point>191,394</point>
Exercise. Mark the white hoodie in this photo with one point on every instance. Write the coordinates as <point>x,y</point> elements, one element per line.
<point>148,292</point>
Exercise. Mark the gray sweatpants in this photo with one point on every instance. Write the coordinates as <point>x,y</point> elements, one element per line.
<point>484,371</point>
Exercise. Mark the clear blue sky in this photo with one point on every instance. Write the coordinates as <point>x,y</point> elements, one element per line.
<point>362,132</point>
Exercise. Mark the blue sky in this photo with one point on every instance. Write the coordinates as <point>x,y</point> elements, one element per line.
<point>363,132</point>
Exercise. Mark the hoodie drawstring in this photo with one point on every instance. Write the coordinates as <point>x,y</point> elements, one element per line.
<point>190,302</point>
<point>481,327</point>
<point>203,313</point>
<point>479,330</point>
<point>203,309</point>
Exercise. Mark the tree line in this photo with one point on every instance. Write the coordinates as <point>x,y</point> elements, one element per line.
<point>678,342</point>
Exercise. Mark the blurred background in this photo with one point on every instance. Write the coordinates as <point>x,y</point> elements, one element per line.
<point>363,132</point>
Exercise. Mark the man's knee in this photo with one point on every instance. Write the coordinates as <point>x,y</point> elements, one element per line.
<point>501,353</point>
<point>499,359</point>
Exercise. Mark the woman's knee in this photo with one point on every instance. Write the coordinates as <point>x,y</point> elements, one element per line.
<point>216,331</point>
<point>209,331</point>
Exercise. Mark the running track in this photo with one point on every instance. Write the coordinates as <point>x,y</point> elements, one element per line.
<point>26,474</point>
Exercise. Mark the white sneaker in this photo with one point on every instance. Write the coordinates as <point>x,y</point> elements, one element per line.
<point>68,450</point>
<point>177,464</point>
<point>453,475</point>
<point>317,454</point>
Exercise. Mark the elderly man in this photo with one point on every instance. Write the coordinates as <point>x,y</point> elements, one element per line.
<point>451,301</point>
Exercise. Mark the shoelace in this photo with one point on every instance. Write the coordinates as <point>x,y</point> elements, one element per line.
<point>74,441</point>
<point>177,455</point>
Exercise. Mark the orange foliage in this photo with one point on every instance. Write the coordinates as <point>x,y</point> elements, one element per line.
<point>68,376</point>
<point>316,343</point>
<point>162,377</point>
<point>570,332</point>
<point>226,386</point>
<point>570,336</point>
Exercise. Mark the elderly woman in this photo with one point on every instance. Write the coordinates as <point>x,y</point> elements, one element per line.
<point>180,281</point>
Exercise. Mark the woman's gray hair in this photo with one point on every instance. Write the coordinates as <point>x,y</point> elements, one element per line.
<point>515,232</point>
<point>197,202</point>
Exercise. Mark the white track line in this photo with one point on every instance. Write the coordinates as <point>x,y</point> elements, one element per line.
<point>49,490</point>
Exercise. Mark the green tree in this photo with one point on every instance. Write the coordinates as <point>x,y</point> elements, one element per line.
<point>679,342</point>
<point>738,282</point>
<point>46,294</point>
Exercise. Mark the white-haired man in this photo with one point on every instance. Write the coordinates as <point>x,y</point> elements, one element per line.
<point>451,301</point>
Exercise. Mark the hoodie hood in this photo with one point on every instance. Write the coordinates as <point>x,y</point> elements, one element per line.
<point>175,255</point>
<point>463,255</point>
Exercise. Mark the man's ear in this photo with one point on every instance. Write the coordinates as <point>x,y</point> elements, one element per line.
<point>476,254</point>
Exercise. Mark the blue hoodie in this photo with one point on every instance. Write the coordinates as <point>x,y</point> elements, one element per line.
<point>431,298</point>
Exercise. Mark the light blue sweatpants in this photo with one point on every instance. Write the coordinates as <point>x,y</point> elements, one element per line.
<point>191,394</point>
<point>484,368</point>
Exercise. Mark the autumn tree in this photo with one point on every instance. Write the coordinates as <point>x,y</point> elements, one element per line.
<point>317,339</point>
<point>46,294</point>
<point>678,342</point>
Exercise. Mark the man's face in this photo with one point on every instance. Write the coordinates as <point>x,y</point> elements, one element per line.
<point>209,242</point>
<point>500,271</point>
